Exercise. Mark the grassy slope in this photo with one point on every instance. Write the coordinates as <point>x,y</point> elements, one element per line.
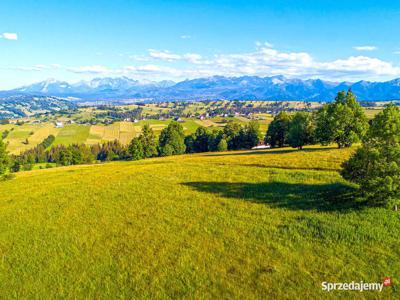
<point>236,225</point>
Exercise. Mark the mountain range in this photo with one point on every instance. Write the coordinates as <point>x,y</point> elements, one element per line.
<point>211,88</point>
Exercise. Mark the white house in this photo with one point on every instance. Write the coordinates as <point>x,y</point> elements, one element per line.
<point>261,146</point>
<point>59,124</point>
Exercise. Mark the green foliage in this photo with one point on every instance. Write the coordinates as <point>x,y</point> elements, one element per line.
<point>172,140</point>
<point>301,130</point>
<point>4,134</point>
<point>250,135</point>
<point>136,149</point>
<point>189,143</point>
<point>4,158</point>
<point>222,145</point>
<point>48,141</point>
<point>343,121</point>
<point>376,165</point>
<point>201,140</point>
<point>148,141</point>
<point>278,130</point>
<point>241,137</point>
<point>232,134</point>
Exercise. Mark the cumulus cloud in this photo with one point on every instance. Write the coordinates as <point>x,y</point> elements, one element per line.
<point>365,48</point>
<point>9,36</point>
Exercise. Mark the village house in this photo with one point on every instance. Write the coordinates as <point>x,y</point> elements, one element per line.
<point>261,145</point>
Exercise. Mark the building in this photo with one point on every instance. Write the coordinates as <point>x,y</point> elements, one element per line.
<point>261,145</point>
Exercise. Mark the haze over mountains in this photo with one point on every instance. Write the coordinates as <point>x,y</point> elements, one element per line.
<point>211,88</point>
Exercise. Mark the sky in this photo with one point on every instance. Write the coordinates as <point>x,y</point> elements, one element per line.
<point>175,40</point>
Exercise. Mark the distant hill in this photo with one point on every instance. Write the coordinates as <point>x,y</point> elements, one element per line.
<point>212,88</point>
<point>25,105</point>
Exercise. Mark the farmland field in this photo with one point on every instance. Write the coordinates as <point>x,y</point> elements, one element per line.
<point>92,134</point>
<point>234,225</point>
<point>123,131</point>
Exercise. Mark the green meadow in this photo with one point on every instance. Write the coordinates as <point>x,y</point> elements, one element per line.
<point>234,225</point>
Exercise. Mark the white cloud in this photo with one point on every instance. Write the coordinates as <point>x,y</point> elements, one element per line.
<point>9,36</point>
<point>365,48</point>
<point>164,55</point>
<point>264,60</point>
<point>37,67</point>
<point>264,44</point>
<point>193,58</point>
<point>185,37</point>
<point>96,69</point>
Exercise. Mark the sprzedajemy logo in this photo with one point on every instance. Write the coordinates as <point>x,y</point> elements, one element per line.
<point>356,286</point>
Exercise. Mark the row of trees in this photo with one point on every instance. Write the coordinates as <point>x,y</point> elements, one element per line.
<point>342,122</point>
<point>74,154</point>
<point>172,140</point>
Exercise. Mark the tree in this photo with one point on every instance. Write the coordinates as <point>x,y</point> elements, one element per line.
<point>148,141</point>
<point>172,140</point>
<point>343,121</point>
<point>201,140</point>
<point>136,149</point>
<point>214,139</point>
<point>250,135</point>
<point>278,130</point>
<point>4,158</point>
<point>232,135</point>
<point>375,166</point>
<point>189,143</point>
<point>301,130</point>
<point>222,145</point>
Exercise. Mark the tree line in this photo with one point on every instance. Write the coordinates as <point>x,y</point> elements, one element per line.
<point>342,122</point>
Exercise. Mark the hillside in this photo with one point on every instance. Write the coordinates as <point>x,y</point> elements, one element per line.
<point>27,105</point>
<point>213,88</point>
<point>255,225</point>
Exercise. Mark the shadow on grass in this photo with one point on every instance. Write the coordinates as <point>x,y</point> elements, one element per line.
<point>326,197</point>
<point>271,151</point>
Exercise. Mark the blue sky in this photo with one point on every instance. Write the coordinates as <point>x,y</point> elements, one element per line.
<point>155,40</point>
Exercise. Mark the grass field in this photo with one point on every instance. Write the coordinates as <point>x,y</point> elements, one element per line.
<point>236,225</point>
